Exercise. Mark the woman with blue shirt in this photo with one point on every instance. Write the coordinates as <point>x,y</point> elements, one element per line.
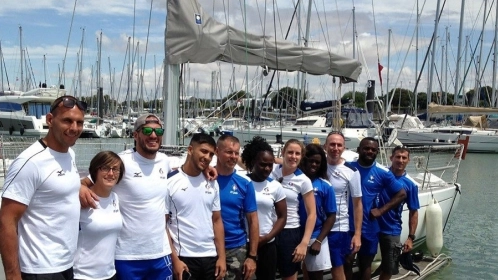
<point>314,165</point>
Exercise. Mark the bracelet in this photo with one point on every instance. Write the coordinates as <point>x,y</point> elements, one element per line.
<point>316,240</point>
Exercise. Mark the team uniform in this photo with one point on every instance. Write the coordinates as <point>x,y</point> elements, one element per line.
<point>374,179</point>
<point>268,193</point>
<point>346,182</point>
<point>190,203</point>
<point>48,183</point>
<point>390,223</point>
<point>143,246</point>
<point>295,185</point>
<point>99,229</point>
<point>325,205</point>
<point>237,198</point>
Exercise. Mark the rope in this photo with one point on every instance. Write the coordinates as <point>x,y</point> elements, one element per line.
<point>457,190</point>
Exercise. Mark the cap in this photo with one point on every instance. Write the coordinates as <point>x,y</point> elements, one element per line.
<point>142,120</point>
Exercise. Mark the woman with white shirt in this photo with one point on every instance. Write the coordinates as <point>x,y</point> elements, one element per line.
<point>270,198</point>
<point>99,227</point>
<point>292,246</point>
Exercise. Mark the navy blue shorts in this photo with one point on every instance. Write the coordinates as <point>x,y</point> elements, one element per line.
<point>369,244</point>
<point>287,241</point>
<point>160,268</point>
<point>339,247</point>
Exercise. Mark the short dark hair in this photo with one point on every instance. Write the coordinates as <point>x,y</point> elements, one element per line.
<point>228,137</point>
<point>252,149</point>
<point>104,158</point>
<point>401,149</point>
<point>311,150</point>
<point>202,138</point>
<point>368,139</point>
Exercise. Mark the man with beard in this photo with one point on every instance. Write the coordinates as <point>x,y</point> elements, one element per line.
<point>143,250</point>
<point>194,218</point>
<point>375,178</point>
<point>238,206</point>
<point>40,210</point>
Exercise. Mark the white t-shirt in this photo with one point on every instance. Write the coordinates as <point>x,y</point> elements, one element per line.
<point>293,184</point>
<point>48,183</point>
<point>268,193</point>
<point>141,194</point>
<point>346,181</point>
<point>99,229</point>
<point>190,203</point>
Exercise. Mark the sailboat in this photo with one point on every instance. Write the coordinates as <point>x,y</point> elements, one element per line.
<point>194,36</point>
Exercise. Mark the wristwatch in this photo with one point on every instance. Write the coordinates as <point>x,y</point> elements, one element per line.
<point>411,236</point>
<point>254,258</point>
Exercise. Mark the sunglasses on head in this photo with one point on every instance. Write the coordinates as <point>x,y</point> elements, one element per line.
<point>148,131</point>
<point>68,102</point>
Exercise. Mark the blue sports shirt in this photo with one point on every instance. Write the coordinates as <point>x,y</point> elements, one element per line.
<point>374,179</point>
<point>237,198</point>
<point>325,205</point>
<point>390,222</point>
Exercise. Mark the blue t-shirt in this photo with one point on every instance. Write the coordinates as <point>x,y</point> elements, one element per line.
<point>325,205</point>
<point>237,198</point>
<point>390,222</point>
<point>374,179</point>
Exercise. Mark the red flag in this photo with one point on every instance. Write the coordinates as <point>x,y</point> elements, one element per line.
<point>380,67</point>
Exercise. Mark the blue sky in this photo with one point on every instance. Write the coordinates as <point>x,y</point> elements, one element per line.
<point>46,26</point>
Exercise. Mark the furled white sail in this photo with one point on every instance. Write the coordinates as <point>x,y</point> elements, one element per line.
<point>194,36</point>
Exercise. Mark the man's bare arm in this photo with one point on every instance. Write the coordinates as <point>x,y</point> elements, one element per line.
<point>10,214</point>
<point>358,220</point>
<point>87,196</point>
<point>219,242</point>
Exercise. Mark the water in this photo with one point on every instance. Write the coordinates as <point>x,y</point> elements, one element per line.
<point>471,235</point>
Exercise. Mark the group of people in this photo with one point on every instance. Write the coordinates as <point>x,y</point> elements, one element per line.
<point>141,215</point>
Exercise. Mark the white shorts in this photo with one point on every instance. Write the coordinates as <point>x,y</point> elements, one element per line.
<point>321,261</point>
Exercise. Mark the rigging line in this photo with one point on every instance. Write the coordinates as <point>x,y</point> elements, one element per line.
<point>259,15</point>
<point>123,70</point>
<point>275,71</point>
<point>63,80</point>
<point>321,27</point>
<point>376,41</point>
<point>326,22</point>
<point>146,44</point>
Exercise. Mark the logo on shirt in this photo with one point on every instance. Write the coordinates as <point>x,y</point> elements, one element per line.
<point>61,173</point>
<point>266,191</point>
<point>209,189</point>
<point>315,190</point>
<point>184,188</point>
<point>116,208</point>
<point>234,190</point>
<point>372,179</point>
<point>161,171</point>
<point>137,174</point>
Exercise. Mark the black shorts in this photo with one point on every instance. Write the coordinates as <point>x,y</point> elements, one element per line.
<point>200,267</point>
<point>287,241</point>
<point>64,275</point>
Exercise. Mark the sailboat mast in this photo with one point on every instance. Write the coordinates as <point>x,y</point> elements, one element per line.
<point>495,57</point>
<point>416,60</point>
<point>354,54</point>
<point>477,92</point>
<point>301,93</point>
<point>1,67</point>
<point>81,64</point>
<point>433,55</point>
<point>388,67</point>
<point>22,58</point>
<point>459,57</point>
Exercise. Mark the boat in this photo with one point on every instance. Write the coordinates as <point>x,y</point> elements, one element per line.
<point>410,130</point>
<point>23,113</point>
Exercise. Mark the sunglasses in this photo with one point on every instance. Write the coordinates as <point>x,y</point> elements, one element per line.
<point>68,102</point>
<point>148,131</point>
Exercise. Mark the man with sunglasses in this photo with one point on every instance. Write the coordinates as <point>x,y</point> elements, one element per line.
<point>40,209</point>
<point>143,250</point>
